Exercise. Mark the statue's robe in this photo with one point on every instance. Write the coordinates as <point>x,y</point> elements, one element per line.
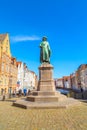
<point>45,52</point>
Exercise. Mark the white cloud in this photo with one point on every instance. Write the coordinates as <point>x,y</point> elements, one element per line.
<point>24,38</point>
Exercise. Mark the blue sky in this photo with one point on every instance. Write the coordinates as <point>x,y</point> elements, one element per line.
<point>64,22</point>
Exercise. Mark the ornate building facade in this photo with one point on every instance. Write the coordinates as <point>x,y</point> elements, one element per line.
<point>8,69</point>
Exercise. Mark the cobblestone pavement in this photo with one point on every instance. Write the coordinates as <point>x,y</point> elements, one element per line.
<point>14,118</point>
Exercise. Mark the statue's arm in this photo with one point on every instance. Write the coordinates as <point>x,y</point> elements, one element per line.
<point>40,45</point>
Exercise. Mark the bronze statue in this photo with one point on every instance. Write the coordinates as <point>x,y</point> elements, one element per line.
<point>45,51</point>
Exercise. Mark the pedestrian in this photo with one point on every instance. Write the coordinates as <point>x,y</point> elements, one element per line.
<point>82,92</point>
<point>25,92</point>
<point>29,92</point>
<point>20,92</point>
<point>81,89</point>
<point>3,99</point>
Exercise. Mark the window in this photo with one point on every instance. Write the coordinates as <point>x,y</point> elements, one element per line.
<point>2,66</point>
<point>7,49</point>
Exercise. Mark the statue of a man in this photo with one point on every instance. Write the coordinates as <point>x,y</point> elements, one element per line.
<point>45,51</point>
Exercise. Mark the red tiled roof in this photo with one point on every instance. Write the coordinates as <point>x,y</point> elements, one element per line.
<point>66,77</point>
<point>60,79</point>
<point>18,63</point>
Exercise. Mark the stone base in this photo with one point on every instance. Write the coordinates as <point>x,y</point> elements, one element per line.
<point>48,96</point>
<point>52,105</point>
<point>45,93</point>
<point>46,100</point>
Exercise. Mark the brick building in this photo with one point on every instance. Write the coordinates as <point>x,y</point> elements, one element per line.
<point>74,78</point>
<point>82,76</point>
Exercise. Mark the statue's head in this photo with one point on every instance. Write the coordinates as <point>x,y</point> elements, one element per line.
<point>44,38</point>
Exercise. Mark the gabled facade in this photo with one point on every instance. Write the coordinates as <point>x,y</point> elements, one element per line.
<point>6,65</point>
<point>66,82</point>
<point>26,79</point>
<point>73,78</point>
<point>20,75</point>
<point>82,76</point>
<point>59,83</point>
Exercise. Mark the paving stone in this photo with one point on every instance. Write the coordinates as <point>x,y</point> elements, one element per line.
<point>14,118</point>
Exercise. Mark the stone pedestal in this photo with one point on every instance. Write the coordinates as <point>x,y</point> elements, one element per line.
<point>46,87</point>
<point>46,81</point>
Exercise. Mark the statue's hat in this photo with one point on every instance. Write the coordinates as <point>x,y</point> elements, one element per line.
<point>44,38</point>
